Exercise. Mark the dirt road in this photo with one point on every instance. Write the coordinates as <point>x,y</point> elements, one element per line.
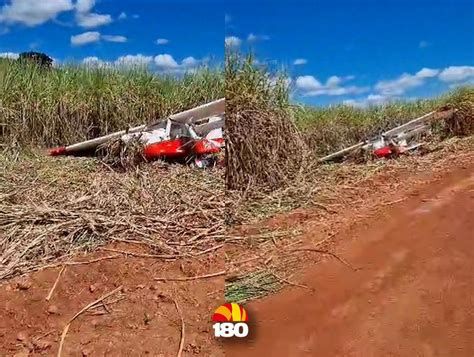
<point>412,293</point>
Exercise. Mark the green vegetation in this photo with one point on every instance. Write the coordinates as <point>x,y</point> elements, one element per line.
<point>252,286</point>
<point>45,107</point>
<point>253,89</point>
<point>332,128</point>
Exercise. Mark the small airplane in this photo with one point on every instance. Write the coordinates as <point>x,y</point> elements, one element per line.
<point>196,134</point>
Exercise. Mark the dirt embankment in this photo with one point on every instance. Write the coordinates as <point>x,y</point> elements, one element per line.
<point>411,293</point>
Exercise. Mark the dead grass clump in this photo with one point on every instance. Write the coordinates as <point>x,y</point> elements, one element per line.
<point>263,146</point>
<point>462,122</point>
<point>122,155</point>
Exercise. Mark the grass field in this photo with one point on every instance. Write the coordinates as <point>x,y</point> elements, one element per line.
<point>45,107</point>
<point>271,138</point>
<point>330,129</point>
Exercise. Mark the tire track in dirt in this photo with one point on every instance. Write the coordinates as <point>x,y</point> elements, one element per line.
<point>413,294</point>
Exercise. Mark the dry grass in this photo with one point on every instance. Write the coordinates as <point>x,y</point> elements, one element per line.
<point>121,155</point>
<point>462,123</point>
<point>263,145</point>
<point>263,148</point>
<point>52,208</point>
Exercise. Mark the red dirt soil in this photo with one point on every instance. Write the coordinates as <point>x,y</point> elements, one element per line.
<point>145,323</point>
<point>412,293</point>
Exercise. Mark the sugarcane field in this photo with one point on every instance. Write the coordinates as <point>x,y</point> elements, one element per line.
<point>212,198</point>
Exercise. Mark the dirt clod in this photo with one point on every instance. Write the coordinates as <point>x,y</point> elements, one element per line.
<point>22,336</point>
<point>23,284</point>
<point>41,345</point>
<point>53,310</point>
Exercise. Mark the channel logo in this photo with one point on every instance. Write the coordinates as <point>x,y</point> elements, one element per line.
<point>230,320</point>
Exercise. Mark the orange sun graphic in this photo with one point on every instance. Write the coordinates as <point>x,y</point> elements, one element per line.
<point>230,312</point>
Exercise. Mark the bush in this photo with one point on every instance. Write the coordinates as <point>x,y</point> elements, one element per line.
<point>37,58</point>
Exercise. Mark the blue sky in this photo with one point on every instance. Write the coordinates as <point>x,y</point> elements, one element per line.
<point>173,35</point>
<point>359,52</point>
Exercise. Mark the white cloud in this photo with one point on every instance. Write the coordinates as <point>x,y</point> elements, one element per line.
<point>405,82</point>
<point>122,16</point>
<point>427,73</point>
<point>134,60</point>
<point>11,55</point>
<point>92,20</point>
<point>94,61</point>
<point>33,12</point>
<point>85,38</point>
<point>91,59</point>
<point>333,81</point>
<point>189,62</point>
<point>233,41</point>
<point>300,61</point>
<point>165,61</point>
<point>370,100</point>
<point>94,36</point>
<point>87,19</point>
<point>457,74</point>
<point>308,83</point>
<point>310,86</point>
<point>254,38</point>
<point>85,5</point>
<point>162,41</point>
<point>111,38</point>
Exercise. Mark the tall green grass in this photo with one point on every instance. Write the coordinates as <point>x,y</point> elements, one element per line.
<point>44,107</point>
<point>332,128</point>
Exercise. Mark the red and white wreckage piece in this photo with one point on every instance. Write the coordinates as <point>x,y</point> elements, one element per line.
<point>197,134</point>
<point>396,141</point>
